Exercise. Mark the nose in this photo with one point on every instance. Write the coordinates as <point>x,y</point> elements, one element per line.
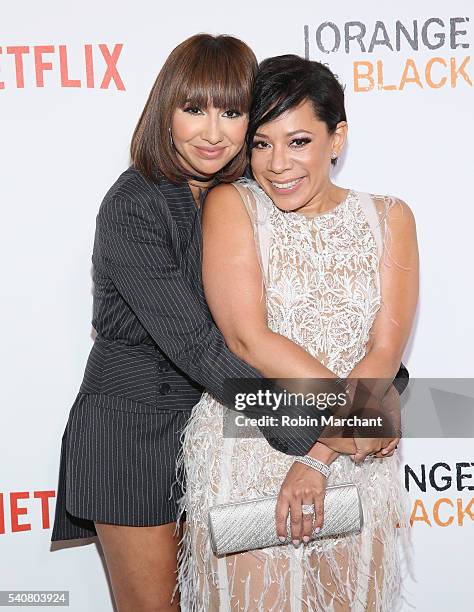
<point>279,159</point>
<point>212,130</point>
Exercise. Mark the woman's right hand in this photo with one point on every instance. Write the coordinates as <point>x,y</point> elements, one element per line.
<point>303,485</point>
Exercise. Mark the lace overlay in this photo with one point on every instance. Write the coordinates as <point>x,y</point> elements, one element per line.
<point>322,287</point>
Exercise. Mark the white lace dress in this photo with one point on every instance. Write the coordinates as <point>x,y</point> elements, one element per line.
<point>323,292</point>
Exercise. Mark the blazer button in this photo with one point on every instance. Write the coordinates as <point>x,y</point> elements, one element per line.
<point>164,389</point>
<point>163,366</point>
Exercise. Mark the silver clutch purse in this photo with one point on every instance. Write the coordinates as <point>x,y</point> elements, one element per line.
<point>250,524</point>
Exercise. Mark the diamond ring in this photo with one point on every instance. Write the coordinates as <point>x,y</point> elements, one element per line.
<point>307,508</point>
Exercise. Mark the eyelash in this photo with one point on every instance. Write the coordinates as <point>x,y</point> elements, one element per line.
<point>236,113</point>
<point>190,109</point>
<point>303,141</point>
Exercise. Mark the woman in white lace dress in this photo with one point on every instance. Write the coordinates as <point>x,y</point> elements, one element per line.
<point>304,279</point>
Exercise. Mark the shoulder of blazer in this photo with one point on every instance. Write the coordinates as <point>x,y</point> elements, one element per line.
<point>134,191</point>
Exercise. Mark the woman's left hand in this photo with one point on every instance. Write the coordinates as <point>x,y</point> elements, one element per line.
<point>388,450</point>
<point>302,485</point>
<point>390,408</point>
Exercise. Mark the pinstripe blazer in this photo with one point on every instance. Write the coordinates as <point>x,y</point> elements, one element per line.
<point>156,343</point>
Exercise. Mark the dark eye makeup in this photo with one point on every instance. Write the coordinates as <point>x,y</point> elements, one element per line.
<point>230,113</point>
<point>296,143</point>
<point>192,110</point>
<point>301,142</point>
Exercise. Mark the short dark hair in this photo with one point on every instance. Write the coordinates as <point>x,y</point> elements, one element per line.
<point>284,82</point>
<point>203,70</point>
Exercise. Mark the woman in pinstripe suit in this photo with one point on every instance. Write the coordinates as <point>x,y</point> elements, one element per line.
<point>156,346</point>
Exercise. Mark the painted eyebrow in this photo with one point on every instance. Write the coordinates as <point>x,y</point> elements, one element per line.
<point>289,134</point>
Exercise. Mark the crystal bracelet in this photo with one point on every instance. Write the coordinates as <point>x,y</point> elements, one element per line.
<point>317,465</point>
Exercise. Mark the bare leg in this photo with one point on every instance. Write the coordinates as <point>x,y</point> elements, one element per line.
<point>254,581</point>
<point>332,594</point>
<point>250,581</point>
<point>376,579</point>
<point>248,588</point>
<point>142,566</point>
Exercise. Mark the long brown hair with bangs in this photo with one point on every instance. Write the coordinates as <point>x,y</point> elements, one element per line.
<point>204,70</point>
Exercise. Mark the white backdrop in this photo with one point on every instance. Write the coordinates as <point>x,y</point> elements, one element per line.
<point>65,133</point>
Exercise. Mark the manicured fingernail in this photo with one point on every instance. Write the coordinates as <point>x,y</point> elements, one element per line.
<point>281,538</point>
<point>385,451</point>
<point>296,542</point>
<point>317,530</point>
<point>305,539</point>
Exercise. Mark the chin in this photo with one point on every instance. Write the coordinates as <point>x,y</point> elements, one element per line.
<point>210,167</point>
<point>286,204</point>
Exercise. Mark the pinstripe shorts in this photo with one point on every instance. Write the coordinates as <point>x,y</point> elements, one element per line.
<point>118,461</point>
